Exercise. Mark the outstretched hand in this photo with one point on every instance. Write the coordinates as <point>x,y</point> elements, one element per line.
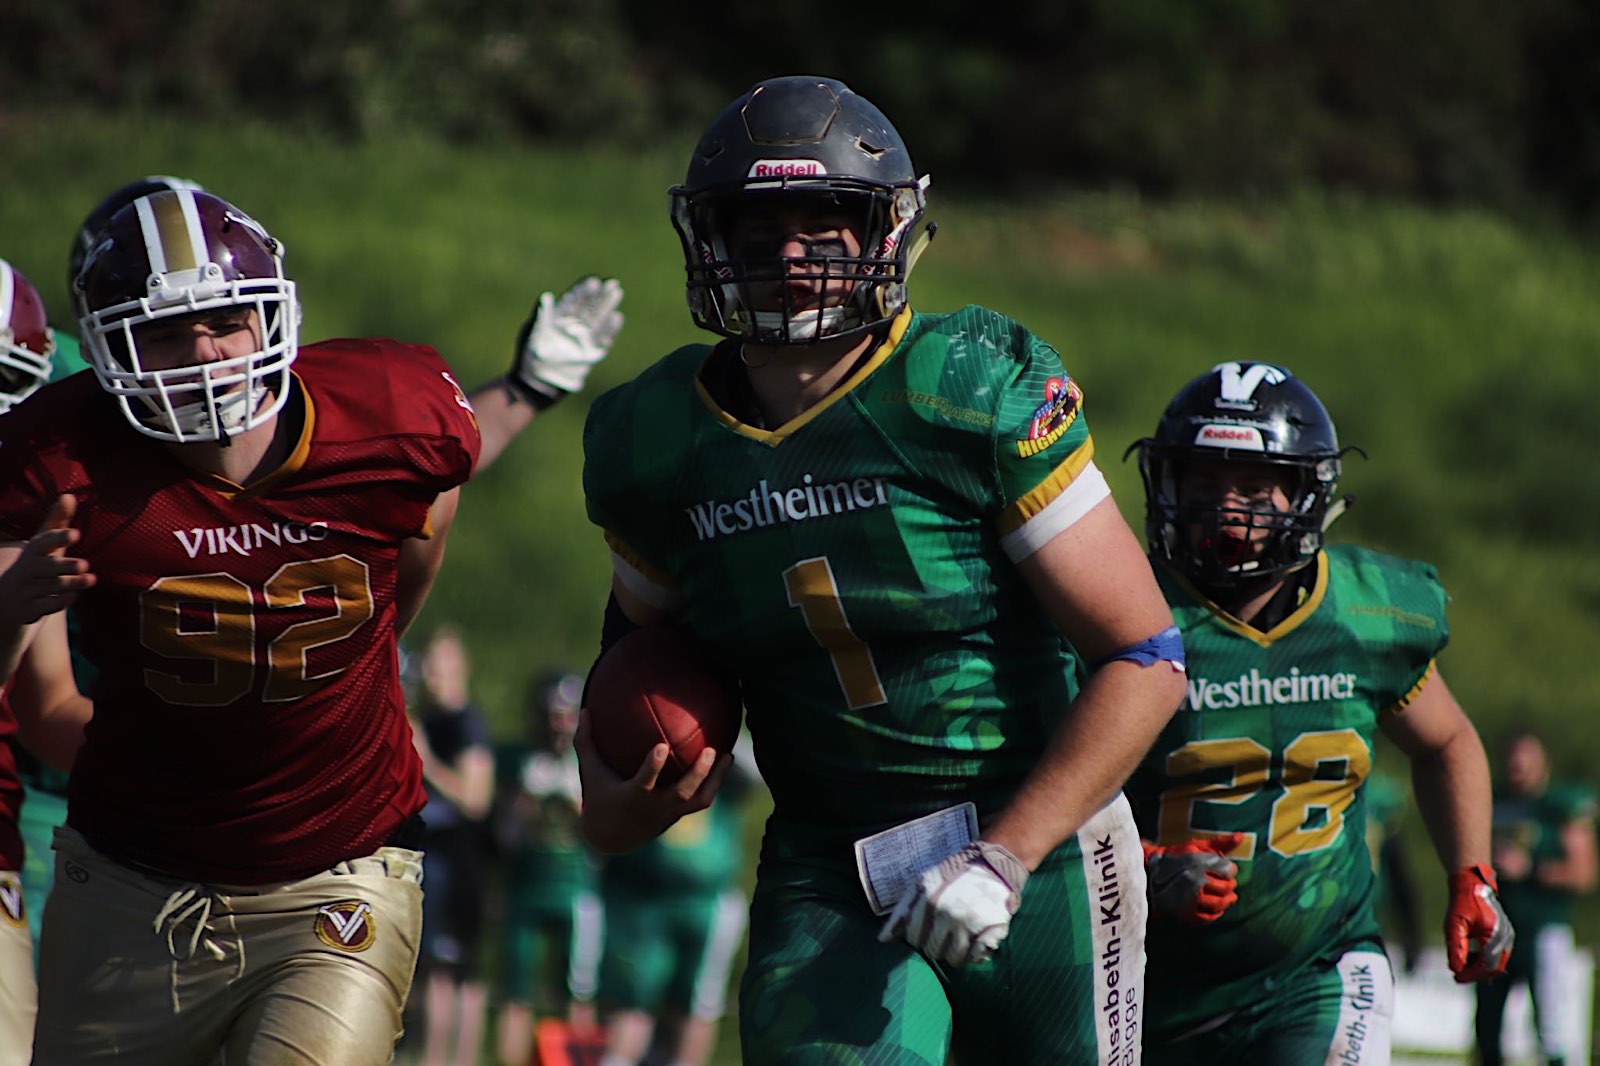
<point>565,337</point>
<point>623,813</point>
<point>43,578</point>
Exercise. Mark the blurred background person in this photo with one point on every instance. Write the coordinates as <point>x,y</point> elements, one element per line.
<point>675,916</point>
<point>452,738</point>
<point>1544,849</point>
<point>551,936</point>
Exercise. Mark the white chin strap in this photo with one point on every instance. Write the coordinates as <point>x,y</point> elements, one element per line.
<point>228,416</point>
<point>806,326</point>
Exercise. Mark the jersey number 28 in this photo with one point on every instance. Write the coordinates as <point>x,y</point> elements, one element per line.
<point>1320,774</point>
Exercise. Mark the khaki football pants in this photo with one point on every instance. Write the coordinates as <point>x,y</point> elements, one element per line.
<point>142,970</point>
<point>17,992</point>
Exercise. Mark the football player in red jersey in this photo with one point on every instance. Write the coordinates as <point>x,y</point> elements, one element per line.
<point>31,354</point>
<point>26,345</point>
<point>242,565</point>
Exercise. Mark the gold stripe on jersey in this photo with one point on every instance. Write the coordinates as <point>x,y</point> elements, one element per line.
<point>290,466</point>
<point>775,437</point>
<point>1405,701</point>
<point>1032,503</point>
<point>645,580</point>
<point>1307,607</point>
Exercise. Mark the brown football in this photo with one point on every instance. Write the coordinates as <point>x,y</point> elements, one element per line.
<point>657,684</point>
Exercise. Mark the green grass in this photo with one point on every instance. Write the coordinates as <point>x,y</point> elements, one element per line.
<point>1457,347</point>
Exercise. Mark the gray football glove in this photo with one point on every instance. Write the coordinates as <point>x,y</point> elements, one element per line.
<point>1194,881</point>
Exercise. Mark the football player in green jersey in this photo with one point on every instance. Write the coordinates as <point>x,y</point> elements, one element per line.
<point>1544,848</point>
<point>952,650</point>
<point>1297,655</point>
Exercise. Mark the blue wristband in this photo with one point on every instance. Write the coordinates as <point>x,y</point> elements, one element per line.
<point>1165,646</point>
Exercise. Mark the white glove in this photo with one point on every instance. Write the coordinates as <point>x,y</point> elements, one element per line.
<point>564,338</point>
<point>960,910</point>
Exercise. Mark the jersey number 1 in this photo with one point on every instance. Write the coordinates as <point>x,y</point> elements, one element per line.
<point>811,588</point>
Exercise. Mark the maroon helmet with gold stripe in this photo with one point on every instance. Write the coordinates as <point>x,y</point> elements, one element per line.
<point>95,221</point>
<point>182,252</point>
<point>26,340</point>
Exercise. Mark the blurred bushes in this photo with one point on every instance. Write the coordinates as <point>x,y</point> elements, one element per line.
<point>1452,100</point>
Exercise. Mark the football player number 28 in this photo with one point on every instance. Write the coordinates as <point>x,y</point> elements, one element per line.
<point>212,617</point>
<point>1319,776</point>
<point>811,588</point>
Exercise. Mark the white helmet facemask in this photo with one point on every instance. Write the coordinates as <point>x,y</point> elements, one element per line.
<point>184,253</point>
<point>206,401</point>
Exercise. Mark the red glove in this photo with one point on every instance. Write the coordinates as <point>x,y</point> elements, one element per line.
<point>1477,934</point>
<point>1194,881</point>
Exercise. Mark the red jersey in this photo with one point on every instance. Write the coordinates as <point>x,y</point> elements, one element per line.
<point>249,725</point>
<point>10,791</point>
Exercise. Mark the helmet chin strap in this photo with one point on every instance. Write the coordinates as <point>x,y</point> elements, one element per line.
<point>806,326</point>
<point>1335,509</point>
<point>220,420</point>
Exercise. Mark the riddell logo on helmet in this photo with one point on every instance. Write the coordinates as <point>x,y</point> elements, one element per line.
<point>1230,437</point>
<point>787,168</point>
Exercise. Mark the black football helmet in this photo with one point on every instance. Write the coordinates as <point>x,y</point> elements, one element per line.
<point>1242,412</point>
<point>799,136</point>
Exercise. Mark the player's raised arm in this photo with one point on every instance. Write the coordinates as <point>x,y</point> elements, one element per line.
<point>562,340</point>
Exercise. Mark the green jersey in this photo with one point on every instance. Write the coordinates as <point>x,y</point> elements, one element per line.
<point>547,863</point>
<point>68,359</point>
<point>856,565</point>
<point>1386,806</point>
<point>1274,740</point>
<point>1535,825</point>
<point>700,854</point>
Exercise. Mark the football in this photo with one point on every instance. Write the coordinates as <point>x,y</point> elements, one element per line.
<point>657,684</point>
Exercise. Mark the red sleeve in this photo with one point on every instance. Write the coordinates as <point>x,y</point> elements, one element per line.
<point>29,434</point>
<point>434,413</point>
<point>398,404</point>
